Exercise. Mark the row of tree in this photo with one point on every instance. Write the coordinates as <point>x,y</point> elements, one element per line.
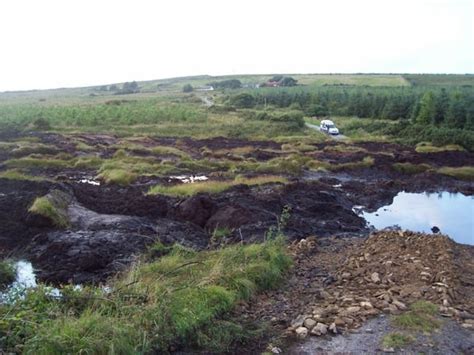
<point>452,107</point>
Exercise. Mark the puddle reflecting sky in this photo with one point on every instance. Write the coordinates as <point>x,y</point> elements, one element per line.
<point>453,214</point>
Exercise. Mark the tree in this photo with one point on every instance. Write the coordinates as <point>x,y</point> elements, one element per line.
<point>427,108</point>
<point>442,105</point>
<point>317,110</point>
<point>187,88</point>
<point>288,81</point>
<point>243,100</point>
<point>456,114</point>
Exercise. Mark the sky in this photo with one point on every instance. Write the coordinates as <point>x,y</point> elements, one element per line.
<point>57,43</point>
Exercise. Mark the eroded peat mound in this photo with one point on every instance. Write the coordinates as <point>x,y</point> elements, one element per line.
<point>82,206</point>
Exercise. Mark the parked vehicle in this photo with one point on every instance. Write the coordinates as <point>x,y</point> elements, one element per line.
<point>329,127</point>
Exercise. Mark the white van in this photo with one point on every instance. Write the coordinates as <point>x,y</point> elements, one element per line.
<point>329,127</point>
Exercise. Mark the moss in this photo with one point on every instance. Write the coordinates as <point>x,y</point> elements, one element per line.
<point>165,150</point>
<point>462,173</point>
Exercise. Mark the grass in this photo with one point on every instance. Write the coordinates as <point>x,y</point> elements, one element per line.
<point>18,175</point>
<point>52,206</point>
<point>463,173</point>
<point>7,273</point>
<point>366,162</point>
<point>213,187</point>
<point>117,176</point>
<point>396,340</point>
<point>425,147</point>
<point>411,169</point>
<point>183,298</point>
<point>420,317</point>
<point>165,150</point>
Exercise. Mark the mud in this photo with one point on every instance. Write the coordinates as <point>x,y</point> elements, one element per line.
<point>111,225</point>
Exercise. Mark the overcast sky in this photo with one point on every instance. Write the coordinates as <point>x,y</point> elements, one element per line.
<point>49,43</point>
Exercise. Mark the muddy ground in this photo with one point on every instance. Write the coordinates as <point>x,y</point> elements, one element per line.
<point>111,224</point>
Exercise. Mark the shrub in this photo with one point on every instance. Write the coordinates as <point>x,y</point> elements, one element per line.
<point>242,100</point>
<point>187,88</point>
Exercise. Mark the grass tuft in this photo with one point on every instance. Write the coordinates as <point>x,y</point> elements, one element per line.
<point>425,147</point>
<point>52,206</point>
<point>463,173</point>
<point>409,168</point>
<point>213,187</point>
<point>421,317</point>
<point>118,176</point>
<point>396,340</point>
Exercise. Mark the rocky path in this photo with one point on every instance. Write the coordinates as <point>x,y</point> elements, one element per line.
<point>343,286</point>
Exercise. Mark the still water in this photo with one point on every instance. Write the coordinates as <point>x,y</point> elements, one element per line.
<point>452,213</point>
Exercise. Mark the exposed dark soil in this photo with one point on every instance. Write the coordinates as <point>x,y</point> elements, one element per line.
<point>321,204</point>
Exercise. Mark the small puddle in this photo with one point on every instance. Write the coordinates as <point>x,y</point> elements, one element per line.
<point>452,213</point>
<point>188,179</point>
<point>90,182</point>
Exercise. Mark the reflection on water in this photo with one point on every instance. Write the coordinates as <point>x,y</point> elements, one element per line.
<point>25,278</point>
<point>453,214</point>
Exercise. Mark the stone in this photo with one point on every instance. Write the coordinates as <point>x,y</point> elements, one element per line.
<point>339,322</point>
<point>467,325</point>
<point>366,305</point>
<point>301,332</point>
<point>388,350</point>
<point>320,329</point>
<point>275,350</point>
<point>346,275</point>
<point>298,321</point>
<point>309,323</point>
<point>400,305</point>
<point>375,277</point>
<point>353,309</point>
<point>333,328</point>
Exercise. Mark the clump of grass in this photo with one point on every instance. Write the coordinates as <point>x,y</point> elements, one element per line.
<point>7,273</point>
<point>463,173</point>
<point>425,147</point>
<point>118,176</point>
<point>18,175</point>
<point>421,316</point>
<point>165,150</point>
<point>344,148</point>
<point>409,168</point>
<point>34,162</point>
<point>213,187</point>
<point>367,162</point>
<point>175,300</point>
<point>84,147</point>
<point>53,207</point>
<point>396,340</point>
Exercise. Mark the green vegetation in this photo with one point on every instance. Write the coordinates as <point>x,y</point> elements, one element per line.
<point>421,317</point>
<point>18,175</point>
<point>52,206</point>
<point>117,176</point>
<point>425,147</point>
<point>179,299</point>
<point>396,340</point>
<point>463,173</point>
<point>7,273</point>
<point>212,187</point>
<point>409,168</point>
